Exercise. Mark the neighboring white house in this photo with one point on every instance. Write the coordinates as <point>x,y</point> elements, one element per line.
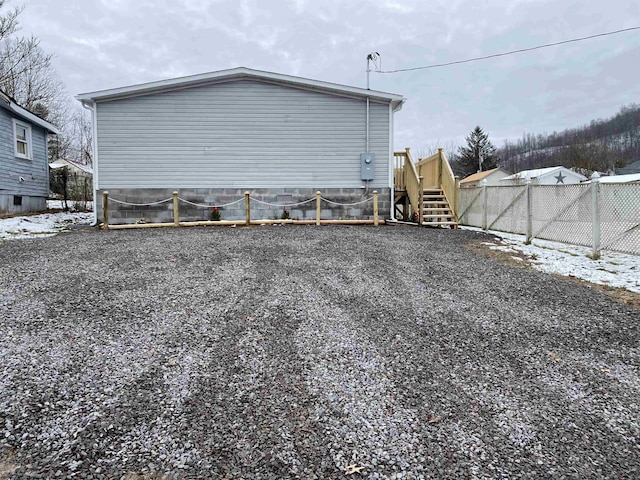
<point>545,176</point>
<point>77,178</point>
<point>492,177</point>
<point>213,136</point>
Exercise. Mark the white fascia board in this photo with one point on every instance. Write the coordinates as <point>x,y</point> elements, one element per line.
<point>237,74</point>
<point>27,115</point>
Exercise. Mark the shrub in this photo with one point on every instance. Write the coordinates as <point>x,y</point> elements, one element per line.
<point>215,214</point>
<point>285,215</point>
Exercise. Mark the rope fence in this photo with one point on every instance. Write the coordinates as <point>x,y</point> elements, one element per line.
<point>176,199</point>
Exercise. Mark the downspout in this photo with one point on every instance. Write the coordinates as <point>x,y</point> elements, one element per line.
<point>92,109</point>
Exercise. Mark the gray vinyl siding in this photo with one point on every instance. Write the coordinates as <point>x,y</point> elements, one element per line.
<point>240,134</point>
<point>35,171</point>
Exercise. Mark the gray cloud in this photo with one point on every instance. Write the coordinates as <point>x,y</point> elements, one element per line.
<point>110,43</point>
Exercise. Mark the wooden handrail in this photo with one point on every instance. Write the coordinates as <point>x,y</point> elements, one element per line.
<point>449,184</point>
<point>433,172</point>
<point>412,183</point>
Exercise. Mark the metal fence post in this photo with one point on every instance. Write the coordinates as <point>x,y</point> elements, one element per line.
<point>484,204</point>
<point>529,214</point>
<point>176,211</point>
<point>595,214</point>
<point>247,209</point>
<point>105,209</point>
<point>318,206</point>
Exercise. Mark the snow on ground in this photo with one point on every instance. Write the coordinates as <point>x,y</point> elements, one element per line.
<point>42,225</point>
<point>612,269</point>
<point>72,204</point>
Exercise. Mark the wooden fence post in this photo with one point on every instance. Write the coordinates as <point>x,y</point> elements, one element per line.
<point>375,208</point>
<point>318,206</point>
<point>105,209</point>
<point>176,211</point>
<point>247,209</point>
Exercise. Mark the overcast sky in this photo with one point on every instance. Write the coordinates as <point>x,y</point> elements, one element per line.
<point>102,44</point>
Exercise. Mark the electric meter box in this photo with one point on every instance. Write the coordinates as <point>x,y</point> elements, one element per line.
<point>367,161</point>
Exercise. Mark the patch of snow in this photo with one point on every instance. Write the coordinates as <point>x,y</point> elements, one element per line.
<point>46,224</point>
<point>72,204</point>
<point>612,269</point>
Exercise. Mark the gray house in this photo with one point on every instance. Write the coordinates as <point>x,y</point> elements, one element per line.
<point>215,135</point>
<point>24,169</point>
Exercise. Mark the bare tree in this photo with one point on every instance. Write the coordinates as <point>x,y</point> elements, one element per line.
<point>26,71</point>
<point>9,21</point>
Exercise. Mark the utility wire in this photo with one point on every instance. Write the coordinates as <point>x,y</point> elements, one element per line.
<point>475,59</point>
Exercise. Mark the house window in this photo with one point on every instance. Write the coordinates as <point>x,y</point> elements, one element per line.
<point>17,201</point>
<point>22,139</point>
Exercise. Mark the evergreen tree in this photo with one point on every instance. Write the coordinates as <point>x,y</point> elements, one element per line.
<point>478,145</point>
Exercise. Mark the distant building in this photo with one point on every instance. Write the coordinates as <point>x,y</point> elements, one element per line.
<point>492,177</point>
<point>545,176</point>
<point>79,179</point>
<point>630,178</point>
<point>631,168</point>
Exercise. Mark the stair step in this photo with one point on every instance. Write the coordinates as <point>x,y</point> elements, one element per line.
<point>437,209</point>
<point>431,224</point>
<point>429,215</point>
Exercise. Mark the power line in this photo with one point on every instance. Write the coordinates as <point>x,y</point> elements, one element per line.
<point>475,59</point>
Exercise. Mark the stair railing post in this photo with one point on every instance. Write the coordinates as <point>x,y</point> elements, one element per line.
<point>440,165</point>
<point>375,208</point>
<point>456,199</point>
<point>105,209</point>
<point>528,239</point>
<point>484,204</point>
<point>176,211</point>
<point>421,200</point>
<point>247,208</point>
<point>595,214</point>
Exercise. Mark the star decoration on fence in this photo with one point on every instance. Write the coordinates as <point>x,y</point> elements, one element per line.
<point>560,178</point>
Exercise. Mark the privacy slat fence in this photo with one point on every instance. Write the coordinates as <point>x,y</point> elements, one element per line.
<point>247,199</point>
<point>604,216</point>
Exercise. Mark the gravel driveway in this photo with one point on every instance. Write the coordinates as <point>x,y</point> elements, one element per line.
<point>307,352</point>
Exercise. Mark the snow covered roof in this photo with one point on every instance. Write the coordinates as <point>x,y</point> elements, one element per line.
<point>540,172</point>
<point>630,178</point>
<point>239,73</point>
<point>479,176</point>
<point>61,162</point>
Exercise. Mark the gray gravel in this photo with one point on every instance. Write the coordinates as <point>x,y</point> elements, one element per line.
<point>307,352</point>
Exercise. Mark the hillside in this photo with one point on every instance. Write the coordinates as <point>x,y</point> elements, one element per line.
<point>602,145</point>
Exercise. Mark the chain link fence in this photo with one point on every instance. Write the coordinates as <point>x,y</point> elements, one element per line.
<point>598,215</point>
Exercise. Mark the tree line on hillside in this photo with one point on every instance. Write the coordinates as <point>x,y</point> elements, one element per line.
<point>602,145</point>
<point>27,75</point>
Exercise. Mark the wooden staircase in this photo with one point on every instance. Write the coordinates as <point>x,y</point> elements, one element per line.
<point>436,211</point>
<point>427,191</point>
